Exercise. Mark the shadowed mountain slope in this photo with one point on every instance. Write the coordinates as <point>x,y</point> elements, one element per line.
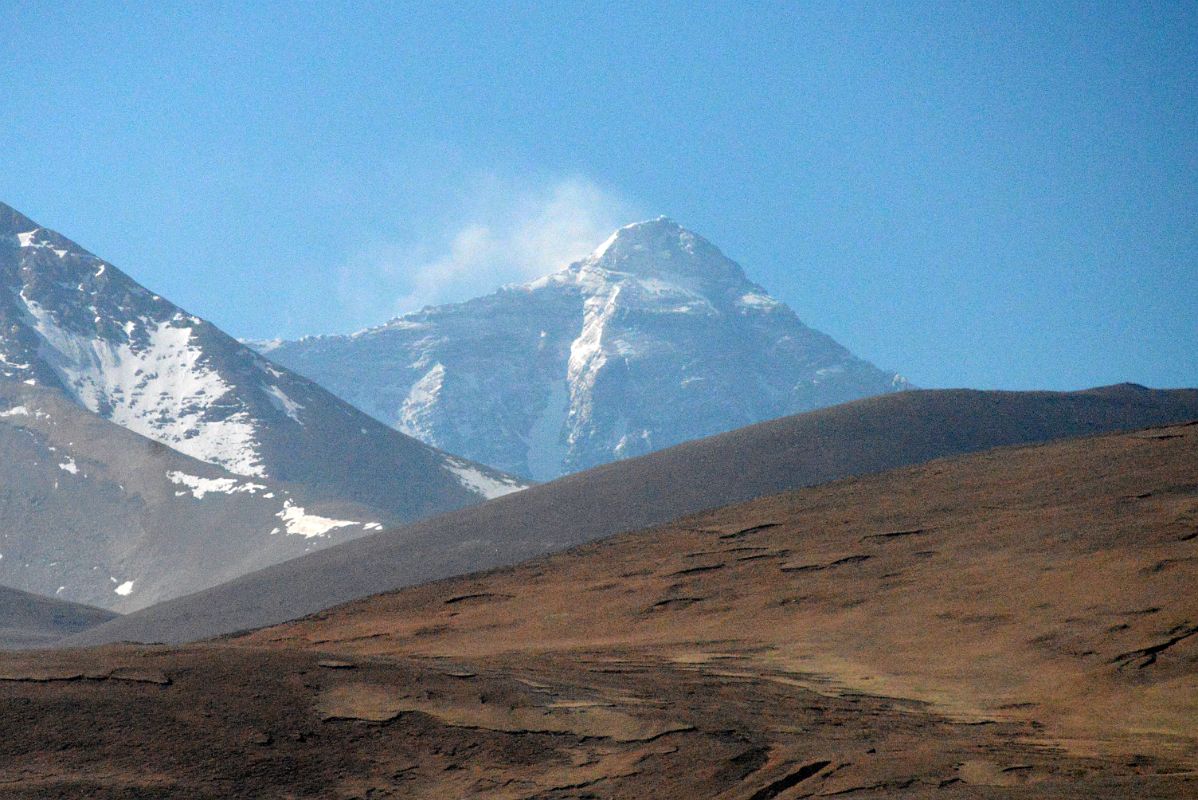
<point>95,513</point>
<point>31,620</point>
<point>1019,623</point>
<point>856,438</point>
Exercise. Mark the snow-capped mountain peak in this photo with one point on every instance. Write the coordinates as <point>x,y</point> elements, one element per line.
<point>87,328</point>
<point>654,338</point>
<point>661,248</point>
<point>73,322</point>
<point>638,234</point>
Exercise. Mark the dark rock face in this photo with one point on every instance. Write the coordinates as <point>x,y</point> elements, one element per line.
<point>656,338</point>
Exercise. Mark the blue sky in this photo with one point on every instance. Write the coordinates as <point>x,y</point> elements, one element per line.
<point>990,195</point>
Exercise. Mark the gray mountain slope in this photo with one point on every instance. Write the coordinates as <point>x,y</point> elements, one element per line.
<point>97,514</point>
<point>30,620</point>
<point>856,438</point>
<point>655,339</point>
<point>71,321</point>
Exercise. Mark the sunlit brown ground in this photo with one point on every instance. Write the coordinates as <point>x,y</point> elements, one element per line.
<point>1022,623</point>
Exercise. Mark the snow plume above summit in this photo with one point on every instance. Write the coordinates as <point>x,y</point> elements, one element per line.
<point>500,235</point>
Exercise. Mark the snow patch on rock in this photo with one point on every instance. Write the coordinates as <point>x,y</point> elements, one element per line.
<point>298,522</point>
<point>420,403</point>
<point>201,486</point>
<point>22,411</point>
<point>279,399</point>
<point>757,300</point>
<point>481,483</point>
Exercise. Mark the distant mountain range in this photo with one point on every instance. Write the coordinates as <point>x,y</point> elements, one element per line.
<point>654,339</point>
<point>148,454</point>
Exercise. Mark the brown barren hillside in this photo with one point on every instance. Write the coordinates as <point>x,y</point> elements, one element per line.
<point>866,436</point>
<point>1017,623</point>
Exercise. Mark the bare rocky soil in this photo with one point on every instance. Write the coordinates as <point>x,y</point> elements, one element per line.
<point>1018,623</point>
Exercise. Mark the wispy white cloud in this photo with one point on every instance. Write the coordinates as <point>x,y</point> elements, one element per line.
<point>499,235</point>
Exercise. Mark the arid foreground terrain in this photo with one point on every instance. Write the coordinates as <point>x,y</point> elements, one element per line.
<point>1019,623</point>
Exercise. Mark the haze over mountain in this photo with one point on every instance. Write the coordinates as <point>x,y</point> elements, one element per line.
<point>251,463</point>
<point>654,339</point>
<point>865,436</point>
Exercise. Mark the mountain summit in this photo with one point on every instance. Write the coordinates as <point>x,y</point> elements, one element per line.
<point>653,339</point>
<point>660,248</point>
